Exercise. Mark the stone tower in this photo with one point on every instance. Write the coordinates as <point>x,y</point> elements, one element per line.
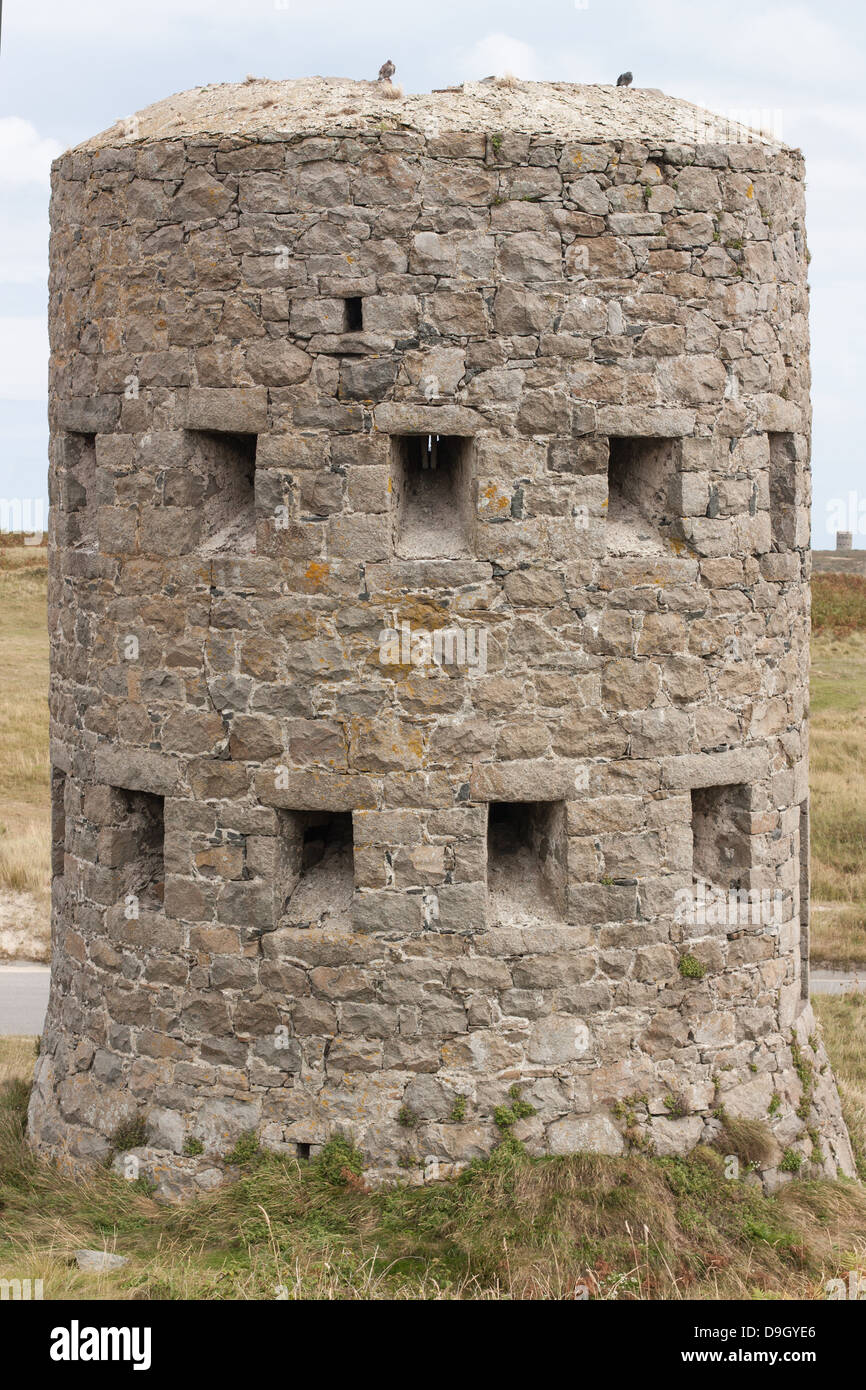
<point>429,612</point>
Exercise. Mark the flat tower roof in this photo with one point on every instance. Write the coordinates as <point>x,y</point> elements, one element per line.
<point>260,107</point>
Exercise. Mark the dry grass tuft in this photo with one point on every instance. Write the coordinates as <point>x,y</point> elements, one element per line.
<point>751,1140</point>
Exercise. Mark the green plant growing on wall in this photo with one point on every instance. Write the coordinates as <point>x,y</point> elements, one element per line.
<point>507,1115</point>
<point>691,968</point>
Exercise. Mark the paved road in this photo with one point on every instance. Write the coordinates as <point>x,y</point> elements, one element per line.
<point>837,981</point>
<point>23,997</point>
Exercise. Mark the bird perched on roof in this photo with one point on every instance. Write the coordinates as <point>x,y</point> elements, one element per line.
<point>386,71</point>
<point>624,79</point>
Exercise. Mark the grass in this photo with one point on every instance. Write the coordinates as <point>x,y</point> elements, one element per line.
<point>843,1020</point>
<point>838,603</point>
<point>838,769</point>
<point>24,772</point>
<point>837,781</point>
<point>511,1227</point>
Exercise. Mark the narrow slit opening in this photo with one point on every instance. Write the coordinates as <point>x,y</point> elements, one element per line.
<point>58,822</point>
<point>783,491</point>
<point>78,490</point>
<point>353,318</point>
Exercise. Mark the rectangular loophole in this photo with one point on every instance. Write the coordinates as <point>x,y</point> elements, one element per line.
<point>302,1150</point>
<point>133,845</point>
<point>640,472</point>
<point>58,822</point>
<point>353,314</point>
<point>316,869</point>
<point>722,851</point>
<point>527,858</point>
<point>431,495</point>
<point>78,499</point>
<point>783,491</point>
<point>219,483</point>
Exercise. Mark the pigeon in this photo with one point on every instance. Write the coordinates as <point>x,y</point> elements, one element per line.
<point>624,79</point>
<point>386,71</point>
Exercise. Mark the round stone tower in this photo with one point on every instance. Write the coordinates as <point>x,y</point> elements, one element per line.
<point>429,613</point>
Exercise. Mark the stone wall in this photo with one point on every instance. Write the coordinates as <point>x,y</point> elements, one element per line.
<point>273,906</point>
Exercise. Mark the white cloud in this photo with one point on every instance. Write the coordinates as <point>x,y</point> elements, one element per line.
<point>498,54</point>
<point>23,358</point>
<point>25,155</point>
<point>23,244</point>
<point>779,45</point>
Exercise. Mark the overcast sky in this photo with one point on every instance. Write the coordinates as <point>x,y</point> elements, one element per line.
<point>70,68</point>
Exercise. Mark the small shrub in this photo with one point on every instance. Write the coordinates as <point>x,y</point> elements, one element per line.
<point>691,968</point>
<point>791,1161</point>
<point>340,1162</point>
<point>407,1117</point>
<point>458,1109</point>
<point>245,1149</point>
<point>193,1147</point>
<point>676,1106</point>
<point>143,1185</point>
<point>131,1134</point>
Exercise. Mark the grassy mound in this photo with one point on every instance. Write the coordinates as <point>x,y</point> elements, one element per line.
<point>510,1227</point>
